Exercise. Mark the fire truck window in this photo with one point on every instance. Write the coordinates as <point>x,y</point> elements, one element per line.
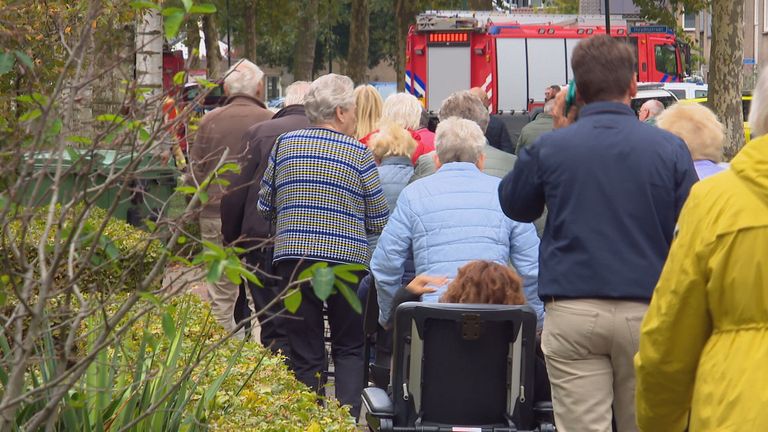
<point>666,60</point>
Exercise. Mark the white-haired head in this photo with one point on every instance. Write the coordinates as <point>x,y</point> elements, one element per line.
<point>403,109</point>
<point>296,93</point>
<point>464,104</point>
<point>758,110</point>
<point>326,94</point>
<point>698,127</point>
<point>246,78</point>
<point>459,140</point>
<point>650,109</point>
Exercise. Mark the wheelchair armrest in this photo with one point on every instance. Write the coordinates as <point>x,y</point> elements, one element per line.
<point>378,403</point>
<point>544,412</point>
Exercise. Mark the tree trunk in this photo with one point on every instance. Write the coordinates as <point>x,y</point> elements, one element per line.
<point>357,60</point>
<point>725,79</point>
<point>304,54</point>
<point>193,43</point>
<point>405,10</point>
<point>149,52</point>
<point>249,32</point>
<point>214,60</point>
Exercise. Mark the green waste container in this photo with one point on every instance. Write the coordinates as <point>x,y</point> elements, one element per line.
<point>144,193</point>
<point>78,174</point>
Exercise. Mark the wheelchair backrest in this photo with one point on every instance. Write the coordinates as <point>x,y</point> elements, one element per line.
<point>459,364</point>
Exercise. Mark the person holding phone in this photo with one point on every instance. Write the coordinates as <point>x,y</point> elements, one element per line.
<point>614,188</point>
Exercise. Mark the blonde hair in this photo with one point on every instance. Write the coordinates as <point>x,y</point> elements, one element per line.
<point>698,126</point>
<point>758,111</point>
<point>403,109</point>
<point>391,140</point>
<point>368,109</point>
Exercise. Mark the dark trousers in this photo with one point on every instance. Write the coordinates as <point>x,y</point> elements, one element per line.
<point>273,331</point>
<point>305,337</point>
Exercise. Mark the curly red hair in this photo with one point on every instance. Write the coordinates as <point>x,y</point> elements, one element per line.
<point>485,282</point>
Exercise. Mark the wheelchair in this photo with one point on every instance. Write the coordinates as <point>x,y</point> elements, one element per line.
<point>460,367</point>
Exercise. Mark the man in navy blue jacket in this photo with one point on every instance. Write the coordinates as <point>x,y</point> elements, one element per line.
<point>614,188</point>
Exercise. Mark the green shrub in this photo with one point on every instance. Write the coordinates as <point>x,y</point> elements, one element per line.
<point>122,255</point>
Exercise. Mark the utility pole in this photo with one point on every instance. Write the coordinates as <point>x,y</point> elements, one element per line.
<point>608,17</point>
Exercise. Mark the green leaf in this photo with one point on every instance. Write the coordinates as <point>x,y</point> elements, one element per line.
<point>309,271</point>
<point>187,4</point>
<point>205,8</point>
<point>55,128</point>
<point>143,134</point>
<point>113,118</point>
<point>30,115</point>
<point>172,11</point>
<point>220,181</point>
<point>205,83</point>
<point>25,99</point>
<point>181,240</point>
<point>144,4</point>
<point>322,282</point>
<point>293,301</point>
<point>74,156</point>
<point>233,274</point>
<point>180,77</point>
<point>151,226</point>
<point>169,327</point>
<point>186,189</point>
<point>215,271</point>
<point>251,277</point>
<point>79,139</point>
<point>172,22</point>
<point>24,59</point>
<point>350,295</point>
<point>7,60</point>
<point>229,166</point>
<point>203,195</point>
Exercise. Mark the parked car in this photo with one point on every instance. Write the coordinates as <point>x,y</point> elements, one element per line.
<point>687,90</point>
<point>648,92</point>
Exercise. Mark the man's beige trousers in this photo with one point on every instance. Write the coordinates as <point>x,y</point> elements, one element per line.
<point>589,347</point>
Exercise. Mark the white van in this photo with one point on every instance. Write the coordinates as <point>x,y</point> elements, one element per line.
<point>687,90</point>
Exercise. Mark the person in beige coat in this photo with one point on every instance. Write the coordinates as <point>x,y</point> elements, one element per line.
<point>219,140</point>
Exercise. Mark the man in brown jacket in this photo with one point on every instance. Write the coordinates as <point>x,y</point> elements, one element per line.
<point>222,130</point>
<point>244,227</point>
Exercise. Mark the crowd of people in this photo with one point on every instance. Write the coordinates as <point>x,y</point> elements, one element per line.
<point>635,336</point>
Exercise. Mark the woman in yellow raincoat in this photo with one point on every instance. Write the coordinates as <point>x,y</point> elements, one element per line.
<point>703,359</point>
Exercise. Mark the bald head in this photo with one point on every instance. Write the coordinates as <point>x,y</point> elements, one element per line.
<point>480,94</point>
<point>650,109</point>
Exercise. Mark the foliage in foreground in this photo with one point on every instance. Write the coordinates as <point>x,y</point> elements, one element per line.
<point>236,386</point>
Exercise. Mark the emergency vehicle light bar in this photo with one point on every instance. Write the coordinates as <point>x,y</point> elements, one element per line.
<point>448,38</point>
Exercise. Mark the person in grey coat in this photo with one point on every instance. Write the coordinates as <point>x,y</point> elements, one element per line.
<point>463,104</point>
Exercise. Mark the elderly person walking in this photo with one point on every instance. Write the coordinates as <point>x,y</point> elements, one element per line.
<point>464,104</point>
<point>242,225</point>
<point>704,135</point>
<point>322,187</point>
<point>222,129</point>
<point>704,341</point>
<point>451,218</point>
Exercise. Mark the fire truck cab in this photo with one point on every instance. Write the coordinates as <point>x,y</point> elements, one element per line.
<point>514,59</point>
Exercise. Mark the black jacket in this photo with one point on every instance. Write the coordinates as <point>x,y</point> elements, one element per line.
<point>498,135</point>
<point>241,224</point>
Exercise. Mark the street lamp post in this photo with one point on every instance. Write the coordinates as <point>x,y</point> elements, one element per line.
<point>608,17</point>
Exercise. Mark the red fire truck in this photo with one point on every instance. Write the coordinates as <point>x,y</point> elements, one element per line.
<point>515,57</point>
